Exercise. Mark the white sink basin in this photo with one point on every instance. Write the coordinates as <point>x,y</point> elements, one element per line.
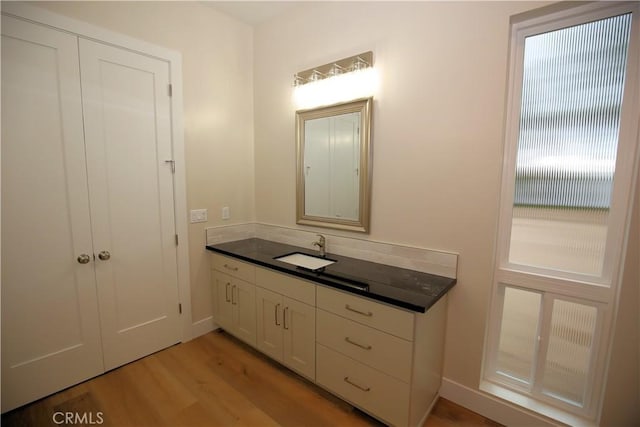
<point>309,262</point>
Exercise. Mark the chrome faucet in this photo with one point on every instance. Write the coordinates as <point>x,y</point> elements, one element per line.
<point>320,244</point>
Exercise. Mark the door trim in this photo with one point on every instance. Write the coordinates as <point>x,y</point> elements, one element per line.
<point>174,59</point>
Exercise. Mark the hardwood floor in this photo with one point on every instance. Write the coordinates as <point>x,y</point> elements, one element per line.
<point>213,380</point>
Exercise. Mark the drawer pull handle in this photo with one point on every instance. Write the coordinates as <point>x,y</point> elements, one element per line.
<point>276,314</point>
<point>350,341</point>
<point>368,313</point>
<point>226,292</point>
<point>348,381</point>
<point>228,267</point>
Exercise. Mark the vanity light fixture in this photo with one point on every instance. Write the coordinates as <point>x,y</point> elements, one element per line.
<point>344,80</point>
<point>358,62</point>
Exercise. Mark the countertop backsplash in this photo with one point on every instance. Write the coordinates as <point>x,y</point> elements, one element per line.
<point>420,259</point>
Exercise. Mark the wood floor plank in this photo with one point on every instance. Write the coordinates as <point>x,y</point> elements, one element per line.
<point>121,402</point>
<point>271,387</point>
<point>160,388</point>
<point>449,414</point>
<point>221,398</point>
<point>193,416</point>
<point>214,380</point>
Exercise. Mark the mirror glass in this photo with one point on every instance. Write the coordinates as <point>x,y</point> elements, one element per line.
<point>334,176</point>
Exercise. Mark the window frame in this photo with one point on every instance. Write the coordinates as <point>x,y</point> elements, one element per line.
<point>598,291</point>
<point>624,164</point>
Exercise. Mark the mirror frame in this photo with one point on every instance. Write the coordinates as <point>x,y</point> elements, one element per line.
<point>364,107</point>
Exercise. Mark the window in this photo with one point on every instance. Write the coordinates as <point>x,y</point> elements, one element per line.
<point>569,160</point>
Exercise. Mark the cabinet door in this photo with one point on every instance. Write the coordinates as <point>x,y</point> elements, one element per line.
<point>299,325</point>
<point>244,311</point>
<point>269,311</point>
<point>50,324</point>
<point>127,114</point>
<point>222,308</point>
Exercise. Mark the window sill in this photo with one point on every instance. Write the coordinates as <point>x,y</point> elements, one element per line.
<point>536,406</point>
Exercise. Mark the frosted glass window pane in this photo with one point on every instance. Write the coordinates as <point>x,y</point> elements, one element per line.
<point>518,333</point>
<point>572,89</point>
<point>569,352</point>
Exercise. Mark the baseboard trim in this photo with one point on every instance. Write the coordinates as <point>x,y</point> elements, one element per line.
<point>202,327</point>
<point>491,407</point>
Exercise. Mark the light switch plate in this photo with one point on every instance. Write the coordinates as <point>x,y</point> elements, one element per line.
<point>198,215</point>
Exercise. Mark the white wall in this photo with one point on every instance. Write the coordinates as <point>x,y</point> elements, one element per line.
<point>217,63</point>
<point>437,134</point>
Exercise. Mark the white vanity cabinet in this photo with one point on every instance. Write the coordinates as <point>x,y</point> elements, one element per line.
<point>384,360</point>
<point>286,325</point>
<point>234,297</point>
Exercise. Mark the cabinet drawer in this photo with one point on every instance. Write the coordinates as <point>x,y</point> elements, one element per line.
<point>233,267</point>
<point>283,284</point>
<point>379,394</point>
<point>388,319</point>
<point>382,351</point>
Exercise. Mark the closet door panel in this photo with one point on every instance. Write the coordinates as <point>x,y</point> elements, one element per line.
<point>50,325</point>
<point>128,136</point>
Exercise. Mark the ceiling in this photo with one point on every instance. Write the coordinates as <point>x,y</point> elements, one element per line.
<point>252,12</point>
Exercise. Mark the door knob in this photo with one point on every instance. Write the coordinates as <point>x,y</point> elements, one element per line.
<point>104,255</point>
<point>84,259</point>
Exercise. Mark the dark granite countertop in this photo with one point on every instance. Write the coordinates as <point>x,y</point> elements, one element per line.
<point>409,289</point>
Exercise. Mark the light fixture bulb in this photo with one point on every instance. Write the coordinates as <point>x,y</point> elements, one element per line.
<point>315,76</point>
<point>359,64</point>
<point>335,70</point>
<point>340,88</point>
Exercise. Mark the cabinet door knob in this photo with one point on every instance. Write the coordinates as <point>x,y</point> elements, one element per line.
<point>84,259</point>
<point>104,255</point>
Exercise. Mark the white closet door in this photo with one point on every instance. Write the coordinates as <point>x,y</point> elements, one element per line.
<point>128,138</point>
<point>50,324</point>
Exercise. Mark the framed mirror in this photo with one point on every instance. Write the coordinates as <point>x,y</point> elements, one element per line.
<point>334,165</point>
